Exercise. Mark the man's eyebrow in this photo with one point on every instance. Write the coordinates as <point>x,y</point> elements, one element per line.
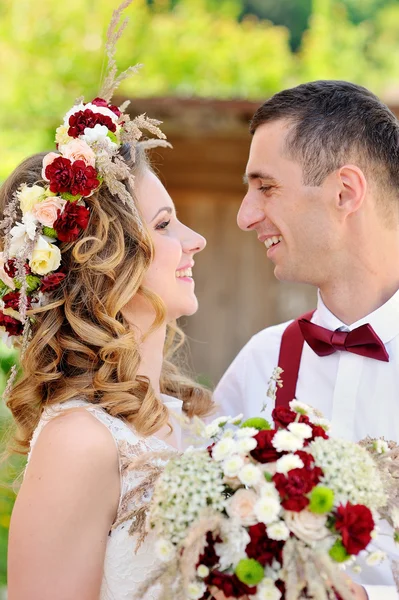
<point>168,209</point>
<point>257,175</point>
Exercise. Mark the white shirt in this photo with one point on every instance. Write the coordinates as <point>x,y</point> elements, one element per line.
<point>359,395</point>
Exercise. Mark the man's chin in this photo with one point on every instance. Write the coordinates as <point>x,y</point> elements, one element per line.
<point>287,275</point>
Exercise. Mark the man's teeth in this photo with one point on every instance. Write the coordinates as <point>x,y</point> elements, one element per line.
<point>184,273</point>
<point>273,240</point>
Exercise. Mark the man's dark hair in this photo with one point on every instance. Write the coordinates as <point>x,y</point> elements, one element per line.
<point>334,122</point>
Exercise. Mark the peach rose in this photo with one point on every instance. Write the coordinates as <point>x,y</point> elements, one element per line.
<point>79,150</point>
<point>307,526</point>
<point>3,275</point>
<point>241,506</point>
<point>47,160</point>
<point>46,212</point>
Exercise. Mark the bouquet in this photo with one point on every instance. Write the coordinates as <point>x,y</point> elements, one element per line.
<point>270,513</point>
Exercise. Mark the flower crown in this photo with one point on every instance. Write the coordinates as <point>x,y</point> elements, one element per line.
<point>42,216</point>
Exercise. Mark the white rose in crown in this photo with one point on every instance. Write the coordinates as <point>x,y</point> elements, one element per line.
<point>45,257</point>
<point>28,196</point>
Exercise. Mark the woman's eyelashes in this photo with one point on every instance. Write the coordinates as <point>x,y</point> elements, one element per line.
<point>162,225</point>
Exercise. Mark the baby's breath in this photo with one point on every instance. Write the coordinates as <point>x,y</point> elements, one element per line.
<point>349,471</point>
<point>188,485</point>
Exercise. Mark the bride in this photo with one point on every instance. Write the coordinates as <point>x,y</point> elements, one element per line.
<point>96,268</point>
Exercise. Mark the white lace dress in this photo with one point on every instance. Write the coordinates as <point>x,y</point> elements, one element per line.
<point>124,567</point>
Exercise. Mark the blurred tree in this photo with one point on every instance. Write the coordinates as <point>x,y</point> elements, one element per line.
<point>293,14</point>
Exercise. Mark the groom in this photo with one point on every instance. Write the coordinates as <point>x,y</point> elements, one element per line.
<point>323,198</point>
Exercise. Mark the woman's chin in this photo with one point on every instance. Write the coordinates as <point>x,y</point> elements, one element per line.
<point>188,309</point>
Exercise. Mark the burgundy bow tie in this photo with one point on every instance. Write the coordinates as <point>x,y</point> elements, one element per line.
<point>363,340</point>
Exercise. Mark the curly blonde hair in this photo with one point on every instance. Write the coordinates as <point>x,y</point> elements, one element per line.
<point>81,345</point>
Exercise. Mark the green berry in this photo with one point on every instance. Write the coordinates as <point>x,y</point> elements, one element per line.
<point>321,500</point>
<point>49,232</point>
<point>250,571</point>
<point>70,198</point>
<point>33,283</point>
<point>338,552</point>
<point>258,422</point>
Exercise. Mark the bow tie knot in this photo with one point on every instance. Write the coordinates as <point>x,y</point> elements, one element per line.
<point>362,341</point>
<point>338,339</point>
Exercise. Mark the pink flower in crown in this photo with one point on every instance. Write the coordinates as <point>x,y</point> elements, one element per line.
<point>47,160</point>
<point>46,212</point>
<point>79,150</point>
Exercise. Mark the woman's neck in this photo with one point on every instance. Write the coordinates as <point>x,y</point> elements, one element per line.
<point>151,354</point>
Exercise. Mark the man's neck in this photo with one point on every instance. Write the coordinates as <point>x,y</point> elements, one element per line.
<point>355,295</point>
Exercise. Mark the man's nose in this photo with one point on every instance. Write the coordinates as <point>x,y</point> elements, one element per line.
<point>249,214</point>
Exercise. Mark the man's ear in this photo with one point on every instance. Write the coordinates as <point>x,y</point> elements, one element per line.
<point>352,188</point>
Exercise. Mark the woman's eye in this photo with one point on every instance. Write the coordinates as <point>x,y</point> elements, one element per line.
<point>163,225</point>
<point>265,188</point>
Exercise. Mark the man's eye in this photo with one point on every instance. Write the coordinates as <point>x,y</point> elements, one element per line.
<point>265,188</point>
<point>163,225</point>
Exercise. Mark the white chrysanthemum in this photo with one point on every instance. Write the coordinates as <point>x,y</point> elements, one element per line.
<point>223,449</point>
<point>236,420</point>
<point>244,432</point>
<point>196,590</point>
<point>164,550</point>
<point>285,441</point>
<point>267,590</point>
<point>376,558</point>
<point>249,475</point>
<point>211,430</point>
<point>301,430</point>
<point>300,407</point>
<point>322,422</point>
<point>381,446</point>
<point>202,571</point>
<point>288,462</point>
<point>349,471</point>
<point>246,444</point>
<point>231,466</point>
<point>268,490</point>
<point>267,510</point>
<point>278,531</point>
<point>357,569</point>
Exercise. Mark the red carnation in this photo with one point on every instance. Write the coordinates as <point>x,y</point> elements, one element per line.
<point>318,431</point>
<point>60,175</point>
<point>10,268</point>
<point>230,585</point>
<point>12,326</point>
<point>84,179</point>
<point>294,486</point>
<point>265,452</point>
<point>209,556</point>
<point>282,417</point>
<point>52,282</point>
<point>87,118</point>
<point>101,102</point>
<point>11,300</point>
<point>355,523</point>
<point>261,547</point>
<point>69,223</point>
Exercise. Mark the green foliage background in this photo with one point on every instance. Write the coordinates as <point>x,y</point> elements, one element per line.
<point>52,52</point>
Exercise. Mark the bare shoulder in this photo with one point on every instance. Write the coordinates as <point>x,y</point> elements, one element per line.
<point>78,446</point>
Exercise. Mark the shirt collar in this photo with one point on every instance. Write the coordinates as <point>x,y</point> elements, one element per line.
<point>384,320</point>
